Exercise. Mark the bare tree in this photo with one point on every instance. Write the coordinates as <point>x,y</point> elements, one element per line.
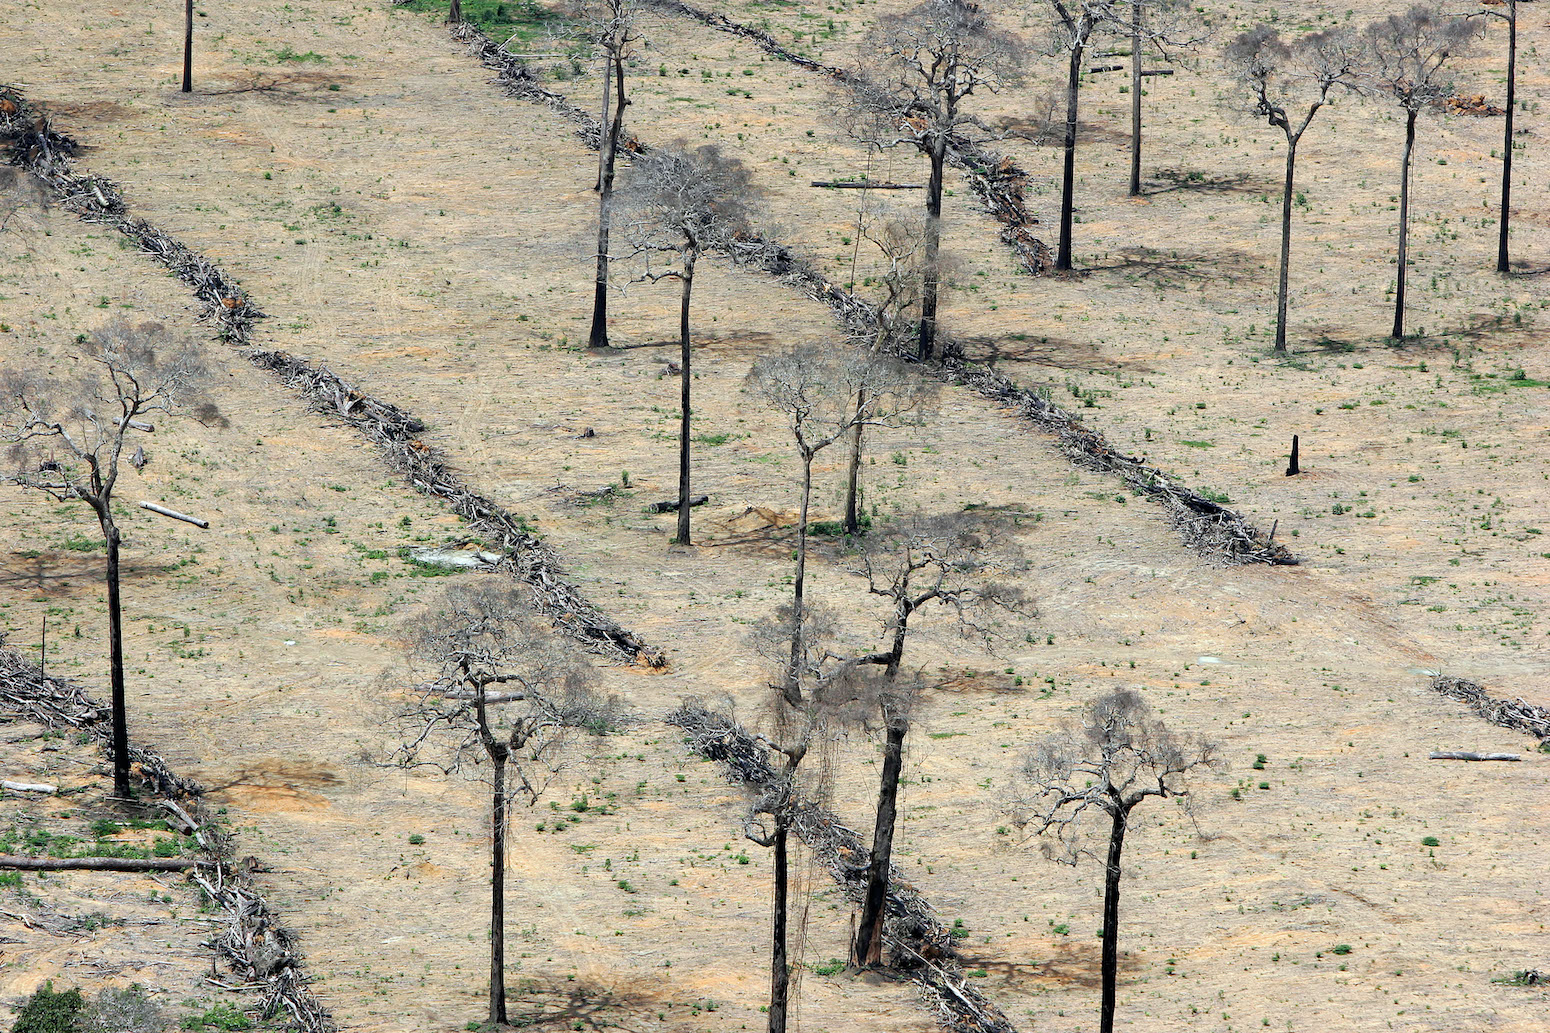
<point>611,26</point>
<point>486,635</point>
<point>68,435</point>
<point>1407,52</point>
<point>1507,11</point>
<point>950,561</point>
<point>1288,83</point>
<point>687,202</point>
<point>1152,23</point>
<point>918,70</point>
<point>188,46</point>
<point>1118,755</point>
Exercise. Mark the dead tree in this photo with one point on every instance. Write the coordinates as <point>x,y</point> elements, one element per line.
<point>946,562</point>
<point>1407,53</point>
<point>507,692</point>
<point>455,12</point>
<point>1151,23</point>
<point>1117,756</point>
<point>1507,11</point>
<point>68,435</point>
<point>918,70</point>
<point>188,46</point>
<point>610,26</point>
<point>686,203</point>
<point>1288,83</point>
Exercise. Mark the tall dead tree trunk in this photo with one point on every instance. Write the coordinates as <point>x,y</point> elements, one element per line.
<point>455,13</point>
<point>1404,225</point>
<point>1135,100</point>
<point>188,46</point>
<point>1286,244</point>
<point>852,518</point>
<point>608,152</point>
<point>682,537</point>
<point>780,967</point>
<point>1120,815</point>
<point>799,582</point>
<point>120,714</point>
<point>868,948</point>
<point>1503,265</point>
<point>932,278</point>
<point>497,887</point>
<point>1068,180</point>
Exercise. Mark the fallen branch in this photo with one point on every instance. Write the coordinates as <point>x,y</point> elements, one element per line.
<point>671,505</point>
<point>1515,714</point>
<point>28,787</point>
<point>174,514</point>
<point>850,184</point>
<point>1465,755</point>
<point>96,864</point>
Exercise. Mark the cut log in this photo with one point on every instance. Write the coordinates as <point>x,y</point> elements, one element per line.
<point>174,514</point>
<point>850,184</point>
<point>671,505</point>
<point>28,787</point>
<point>96,864</point>
<point>1465,755</point>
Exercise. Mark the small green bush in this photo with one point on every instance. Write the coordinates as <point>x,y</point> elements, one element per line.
<point>50,1012</point>
<point>219,1016</point>
<point>1431,841</point>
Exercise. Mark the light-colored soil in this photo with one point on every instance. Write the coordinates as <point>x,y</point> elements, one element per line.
<point>452,279</point>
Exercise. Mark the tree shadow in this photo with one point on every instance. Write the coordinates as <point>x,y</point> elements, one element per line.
<point>586,1007</point>
<point>1202,183</point>
<point>1175,268</point>
<point>1040,351</point>
<point>49,571</point>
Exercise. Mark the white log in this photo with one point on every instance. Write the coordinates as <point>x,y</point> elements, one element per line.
<point>174,514</point>
<point>1464,755</point>
<point>28,787</point>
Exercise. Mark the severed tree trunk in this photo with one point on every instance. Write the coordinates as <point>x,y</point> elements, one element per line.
<point>1404,225</point>
<point>608,152</point>
<point>1286,243</point>
<point>120,716</point>
<point>799,583</point>
<point>868,948</point>
<point>691,254</point>
<point>455,13</point>
<point>498,888</point>
<point>1502,263</point>
<point>1121,815</point>
<point>1068,182</point>
<point>1135,100</point>
<point>780,970</point>
<point>188,46</point>
<point>933,250</point>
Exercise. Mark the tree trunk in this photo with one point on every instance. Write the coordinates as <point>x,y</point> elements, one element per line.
<point>498,891</point>
<point>933,250</point>
<point>1068,183</point>
<point>690,255</point>
<point>1404,226</point>
<point>1502,264</point>
<point>455,13</point>
<point>1111,919</point>
<point>780,971</point>
<point>799,586</point>
<point>1135,100</point>
<point>608,152</point>
<point>96,864</point>
<point>120,717</point>
<point>852,519</point>
<point>868,948</point>
<point>188,47</point>
<point>1286,243</point>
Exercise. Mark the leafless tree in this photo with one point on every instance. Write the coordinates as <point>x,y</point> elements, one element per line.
<point>188,46</point>
<point>1105,766</point>
<point>612,28</point>
<point>1152,24</point>
<point>1288,83</point>
<point>1507,11</point>
<point>686,203</point>
<point>950,562</point>
<point>68,434</point>
<point>918,70</point>
<point>507,692</point>
<point>1407,53</point>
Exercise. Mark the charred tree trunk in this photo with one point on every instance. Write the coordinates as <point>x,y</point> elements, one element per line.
<point>780,971</point>
<point>1292,469</point>
<point>1068,181</point>
<point>1286,243</point>
<point>852,518</point>
<point>932,276</point>
<point>608,152</point>
<point>799,585</point>
<point>1120,814</point>
<point>498,891</point>
<point>1502,263</point>
<point>1404,225</point>
<point>682,538</point>
<point>1135,100</point>
<point>120,716</point>
<point>868,948</point>
<point>455,13</point>
<point>188,46</point>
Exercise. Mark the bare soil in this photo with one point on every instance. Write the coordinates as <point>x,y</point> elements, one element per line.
<point>427,236</point>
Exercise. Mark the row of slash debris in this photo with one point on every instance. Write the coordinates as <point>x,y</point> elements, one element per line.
<point>1211,529</point>
<point>997,180</point>
<point>260,951</point>
<point>1515,713</point>
<point>46,153</point>
<point>918,944</point>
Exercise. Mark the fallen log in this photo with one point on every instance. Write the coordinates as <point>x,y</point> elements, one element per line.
<point>671,505</point>
<point>28,787</point>
<point>1466,755</point>
<point>96,864</point>
<point>836,184</point>
<point>174,514</point>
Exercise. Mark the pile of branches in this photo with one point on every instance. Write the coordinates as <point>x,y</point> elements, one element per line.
<point>917,942</point>
<point>1514,714</point>
<point>996,180</point>
<point>260,951</point>
<point>44,152</point>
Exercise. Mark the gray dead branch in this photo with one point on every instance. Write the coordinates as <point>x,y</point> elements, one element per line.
<point>918,943</point>
<point>1466,755</point>
<point>1515,713</point>
<point>41,788</point>
<point>14,862</point>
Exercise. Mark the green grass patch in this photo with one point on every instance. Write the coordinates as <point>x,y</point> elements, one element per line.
<point>498,19</point>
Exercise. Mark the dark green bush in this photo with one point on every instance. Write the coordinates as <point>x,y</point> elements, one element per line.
<point>48,1012</point>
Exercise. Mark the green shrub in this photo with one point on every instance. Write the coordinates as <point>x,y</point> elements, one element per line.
<point>1431,841</point>
<point>220,1016</point>
<point>48,1012</point>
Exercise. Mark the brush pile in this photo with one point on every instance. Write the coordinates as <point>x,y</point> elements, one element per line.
<point>1514,714</point>
<point>917,942</point>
